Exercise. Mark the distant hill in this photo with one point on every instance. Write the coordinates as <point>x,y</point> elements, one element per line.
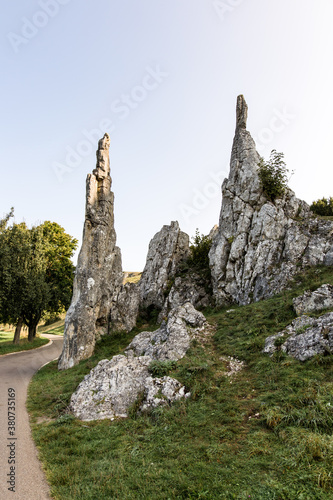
<point>131,277</point>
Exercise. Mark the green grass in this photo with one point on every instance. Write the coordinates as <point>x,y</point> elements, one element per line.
<point>6,336</point>
<point>56,331</point>
<point>133,277</point>
<point>56,328</point>
<point>7,346</point>
<point>267,435</point>
<point>325,217</point>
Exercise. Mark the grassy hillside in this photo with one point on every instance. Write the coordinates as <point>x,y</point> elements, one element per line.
<point>132,277</point>
<point>264,433</point>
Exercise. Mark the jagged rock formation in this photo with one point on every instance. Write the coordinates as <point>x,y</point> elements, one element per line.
<point>320,299</point>
<point>110,389</point>
<point>99,271</point>
<point>172,340</point>
<point>167,250</point>
<point>125,307</point>
<point>260,245</point>
<point>188,288</point>
<point>304,338</point>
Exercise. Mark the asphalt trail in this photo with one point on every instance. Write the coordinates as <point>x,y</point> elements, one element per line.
<point>16,445</point>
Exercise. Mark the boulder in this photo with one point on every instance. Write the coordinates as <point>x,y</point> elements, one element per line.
<point>320,299</point>
<point>172,340</point>
<point>304,338</point>
<point>162,392</point>
<point>99,271</point>
<point>112,387</point>
<point>260,245</point>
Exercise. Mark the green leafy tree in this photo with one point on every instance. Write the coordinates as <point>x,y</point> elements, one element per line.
<point>14,249</point>
<point>36,274</point>
<point>273,175</point>
<point>323,207</point>
<point>59,248</point>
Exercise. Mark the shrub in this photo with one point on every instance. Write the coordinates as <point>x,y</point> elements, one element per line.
<point>273,175</point>
<point>323,207</point>
<point>199,260</point>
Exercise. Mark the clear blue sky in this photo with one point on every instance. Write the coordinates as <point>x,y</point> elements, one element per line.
<point>162,78</point>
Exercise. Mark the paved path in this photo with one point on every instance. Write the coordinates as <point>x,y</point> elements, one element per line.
<point>16,371</point>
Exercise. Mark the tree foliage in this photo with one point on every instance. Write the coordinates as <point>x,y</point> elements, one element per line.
<point>36,272</point>
<point>4,221</point>
<point>273,175</point>
<point>323,207</point>
<point>199,259</point>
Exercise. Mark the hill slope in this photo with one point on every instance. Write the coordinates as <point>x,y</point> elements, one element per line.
<point>264,432</point>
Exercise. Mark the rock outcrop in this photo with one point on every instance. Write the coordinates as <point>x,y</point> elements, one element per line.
<point>125,307</point>
<point>99,271</point>
<point>260,245</point>
<point>309,302</point>
<point>113,386</point>
<point>190,287</point>
<point>167,250</point>
<point>172,340</point>
<point>304,338</point>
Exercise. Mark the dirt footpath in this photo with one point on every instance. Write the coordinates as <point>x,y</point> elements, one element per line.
<point>21,477</point>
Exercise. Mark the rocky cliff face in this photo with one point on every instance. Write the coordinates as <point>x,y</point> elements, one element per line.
<point>167,250</point>
<point>260,245</point>
<point>99,271</point>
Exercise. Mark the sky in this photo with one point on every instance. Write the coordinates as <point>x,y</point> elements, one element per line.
<point>162,78</point>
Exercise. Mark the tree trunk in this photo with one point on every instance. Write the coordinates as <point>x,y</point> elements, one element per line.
<point>32,332</point>
<point>18,331</point>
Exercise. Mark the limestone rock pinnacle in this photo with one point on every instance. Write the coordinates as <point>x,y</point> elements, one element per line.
<point>99,271</point>
<point>241,112</point>
<point>260,245</point>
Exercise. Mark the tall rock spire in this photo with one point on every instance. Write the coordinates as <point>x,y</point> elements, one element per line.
<point>99,271</point>
<point>260,244</point>
<point>241,112</point>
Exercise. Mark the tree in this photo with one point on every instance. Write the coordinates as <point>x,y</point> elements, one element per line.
<point>59,248</point>
<point>273,175</point>
<point>14,248</point>
<point>36,290</point>
<point>5,220</point>
<point>36,273</point>
<point>323,207</point>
